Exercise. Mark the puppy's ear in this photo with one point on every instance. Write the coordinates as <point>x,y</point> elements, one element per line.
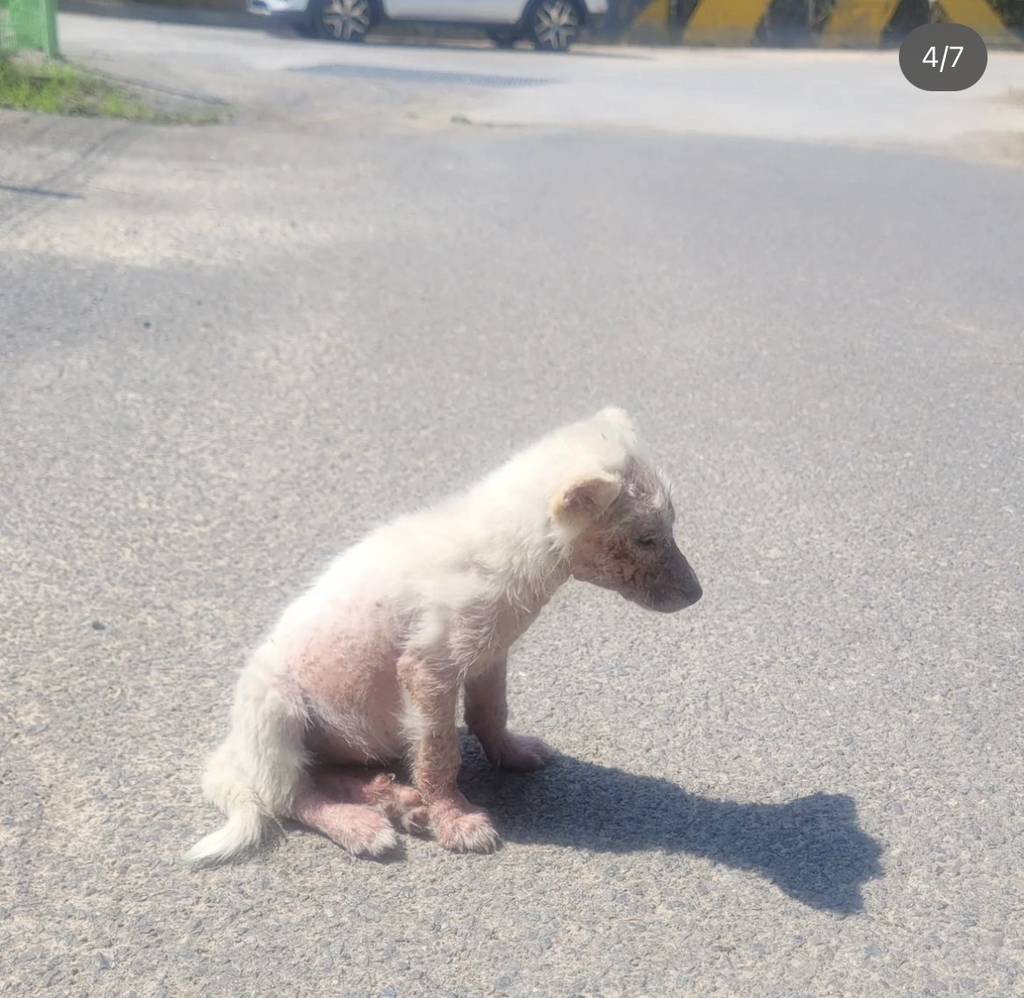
<point>586,498</point>
<point>618,417</point>
<point>620,423</point>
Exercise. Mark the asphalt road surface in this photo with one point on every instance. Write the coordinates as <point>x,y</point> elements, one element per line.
<point>227,351</point>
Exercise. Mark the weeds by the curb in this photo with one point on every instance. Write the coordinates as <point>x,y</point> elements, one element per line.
<point>56,87</point>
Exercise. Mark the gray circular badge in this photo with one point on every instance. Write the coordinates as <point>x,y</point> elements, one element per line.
<point>943,57</point>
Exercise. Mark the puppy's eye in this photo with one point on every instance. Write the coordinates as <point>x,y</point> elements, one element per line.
<point>646,542</point>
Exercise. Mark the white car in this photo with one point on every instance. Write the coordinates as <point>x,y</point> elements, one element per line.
<point>549,24</point>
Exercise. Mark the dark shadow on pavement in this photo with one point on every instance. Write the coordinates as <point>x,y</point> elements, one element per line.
<point>811,848</point>
<point>403,74</point>
<point>40,192</point>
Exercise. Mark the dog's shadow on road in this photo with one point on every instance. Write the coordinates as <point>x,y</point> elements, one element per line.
<point>812,848</point>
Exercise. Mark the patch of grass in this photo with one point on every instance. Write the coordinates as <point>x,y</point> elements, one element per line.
<point>50,87</point>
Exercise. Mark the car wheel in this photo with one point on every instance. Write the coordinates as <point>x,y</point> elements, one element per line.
<point>342,20</point>
<point>504,38</point>
<point>555,24</point>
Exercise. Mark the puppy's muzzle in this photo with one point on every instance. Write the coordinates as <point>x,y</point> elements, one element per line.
<point>681,590</point>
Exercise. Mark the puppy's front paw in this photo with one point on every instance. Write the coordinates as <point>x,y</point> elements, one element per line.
<point>524,754</point>
<point>464,831</point>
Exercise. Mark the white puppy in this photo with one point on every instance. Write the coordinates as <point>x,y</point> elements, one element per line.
<point>367,666</point>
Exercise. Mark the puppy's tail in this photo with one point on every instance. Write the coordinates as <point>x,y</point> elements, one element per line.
<point>252,777</point>
<point>244,829</point>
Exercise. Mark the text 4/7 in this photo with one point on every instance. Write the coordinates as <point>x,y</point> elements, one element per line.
<point>931,57</point>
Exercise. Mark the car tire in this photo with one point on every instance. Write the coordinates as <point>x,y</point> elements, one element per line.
<point>555,24</point>
<point>503,38</point>
<point>342,20</point>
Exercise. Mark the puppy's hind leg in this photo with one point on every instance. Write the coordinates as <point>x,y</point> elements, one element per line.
<point>402,804</point>
<point>358,827</point>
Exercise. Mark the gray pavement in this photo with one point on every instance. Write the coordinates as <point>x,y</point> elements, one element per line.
<point>225,352</point>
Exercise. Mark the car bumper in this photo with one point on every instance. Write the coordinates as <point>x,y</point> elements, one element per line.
<point>291,10</point>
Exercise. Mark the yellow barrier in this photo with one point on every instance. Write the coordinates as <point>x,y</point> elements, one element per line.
<point>852,22</point>
<point>858,22</point>
<point>979,15</point>
<point>725,22</point>
<point>656,14</point>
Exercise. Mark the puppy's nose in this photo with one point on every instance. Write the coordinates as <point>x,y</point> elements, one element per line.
<point>690,585</point>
